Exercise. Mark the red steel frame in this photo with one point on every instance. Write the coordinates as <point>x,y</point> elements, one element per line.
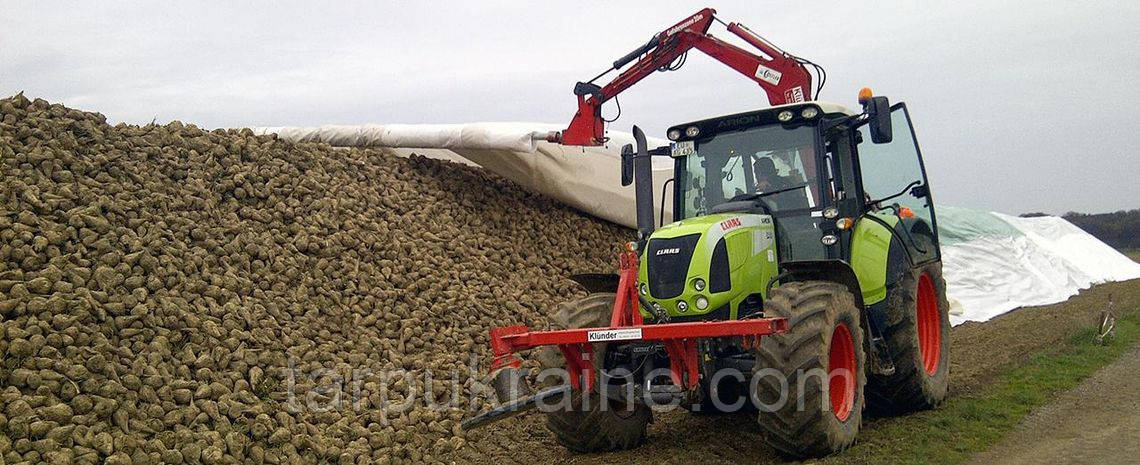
<point>792,83</point>
<point>680,339</point>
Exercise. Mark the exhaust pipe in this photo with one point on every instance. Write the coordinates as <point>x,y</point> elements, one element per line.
<point>643,187</point>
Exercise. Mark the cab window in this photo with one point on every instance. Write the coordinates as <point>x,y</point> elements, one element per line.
<point>888,169</point>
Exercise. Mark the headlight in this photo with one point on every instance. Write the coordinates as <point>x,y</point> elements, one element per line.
<point>702,302</point>
<point>674,134</point>
<point>682,306</point>
<point>692,131</point>
<point>644,289</point>
<point>830,213</point>
<point>829,239</point>
<point>699,284</point>
<point>784,116</point>
<point>809,112</point>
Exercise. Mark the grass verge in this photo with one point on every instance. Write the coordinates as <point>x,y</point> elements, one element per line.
<point>966,425</point>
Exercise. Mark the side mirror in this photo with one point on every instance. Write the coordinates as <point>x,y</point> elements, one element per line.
<point>627,165</point>
<point>879,115</point>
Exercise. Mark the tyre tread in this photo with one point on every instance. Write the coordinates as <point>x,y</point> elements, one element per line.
<point>593,430</point>
<point>810,306</point>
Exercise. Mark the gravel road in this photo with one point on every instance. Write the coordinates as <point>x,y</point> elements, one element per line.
<point>1096,422</point>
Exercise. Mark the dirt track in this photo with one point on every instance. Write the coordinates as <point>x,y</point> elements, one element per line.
<point>980,351</point>
<point>1092,423</point>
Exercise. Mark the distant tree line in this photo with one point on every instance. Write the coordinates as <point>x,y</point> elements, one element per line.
<point>1119,229</point>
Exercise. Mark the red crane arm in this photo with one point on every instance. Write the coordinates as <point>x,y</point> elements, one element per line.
<point>780,74</point>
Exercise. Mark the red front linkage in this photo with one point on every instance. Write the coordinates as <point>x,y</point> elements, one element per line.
<point>626,324</point>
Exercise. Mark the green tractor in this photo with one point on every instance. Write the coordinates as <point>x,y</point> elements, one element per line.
<point>807,212</point>
<point>801,275</point>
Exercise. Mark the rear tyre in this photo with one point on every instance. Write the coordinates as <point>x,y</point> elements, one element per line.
<point>587,425</point>
<point>808,382</point>
<point>918,340</point>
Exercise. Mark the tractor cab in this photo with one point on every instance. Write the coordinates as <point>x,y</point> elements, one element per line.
<point>753,163</point>
<point>807,187</point>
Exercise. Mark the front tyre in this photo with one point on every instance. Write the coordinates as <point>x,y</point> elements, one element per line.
<point>918,340</point>
<point>588,425</point>
<point>808,382</point>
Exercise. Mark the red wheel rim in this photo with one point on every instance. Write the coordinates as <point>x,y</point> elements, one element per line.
<point>841,372</point>
<point>929,325</point>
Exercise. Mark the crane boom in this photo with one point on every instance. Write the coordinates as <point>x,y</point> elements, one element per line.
<point>781,75</point>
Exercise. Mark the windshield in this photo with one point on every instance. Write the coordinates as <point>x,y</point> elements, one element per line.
<point>754,161</point>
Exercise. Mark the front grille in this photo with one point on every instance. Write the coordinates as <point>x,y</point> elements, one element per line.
<point>668,262</point>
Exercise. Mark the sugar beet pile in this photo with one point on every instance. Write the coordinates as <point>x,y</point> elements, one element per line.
<point>158,282</point>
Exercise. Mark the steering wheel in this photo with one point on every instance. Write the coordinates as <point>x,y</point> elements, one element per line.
<point>757,197</point>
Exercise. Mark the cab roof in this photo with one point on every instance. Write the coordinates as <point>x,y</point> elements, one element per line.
<point>759,117</point>
<point>827,108</point>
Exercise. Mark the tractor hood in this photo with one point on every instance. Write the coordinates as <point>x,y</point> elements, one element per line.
<point>708,266</point>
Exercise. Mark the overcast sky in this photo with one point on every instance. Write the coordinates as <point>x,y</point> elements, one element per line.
<point>1019,106</point>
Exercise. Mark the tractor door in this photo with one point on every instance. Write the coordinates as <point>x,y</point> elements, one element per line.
<point>887,169</point>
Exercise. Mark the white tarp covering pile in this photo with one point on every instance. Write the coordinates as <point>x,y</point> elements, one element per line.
<point>516,137</point>
<point>586,178</point>
<point>992,263</point>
